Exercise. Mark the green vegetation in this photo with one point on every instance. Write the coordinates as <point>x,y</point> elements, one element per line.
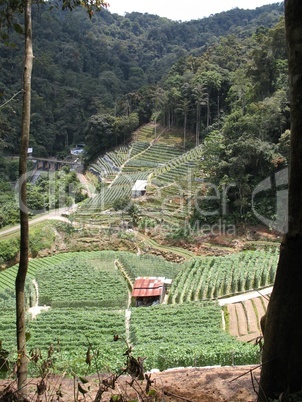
<point>217,87</point>
<point>81,281</point>
<point>186,335</point>
<point>88,292</point>
<point>147,265</point>
<point>50,190</point>
<point>70,332</point>
<point>96,80</point>
<point>214,277</point>
<point>42,236</point>
<point>9,213</point>
<point>54,190</point>
<point>75,330</point>
<point>9,248</point>
<point>203,108</point>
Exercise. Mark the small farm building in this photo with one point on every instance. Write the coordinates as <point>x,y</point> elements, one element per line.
<point>150,290</point>
<point>139,188</point>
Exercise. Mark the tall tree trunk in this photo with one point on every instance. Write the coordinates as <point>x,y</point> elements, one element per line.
<point>218,111</point>
<point>24,236</point>
<point>185,130</point>
<point>208,110</point>
<point>282,368</point>
<point>197,133</point>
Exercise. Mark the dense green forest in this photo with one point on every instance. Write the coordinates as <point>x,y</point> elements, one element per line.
<point>110,65</point>
<point>222,78</point>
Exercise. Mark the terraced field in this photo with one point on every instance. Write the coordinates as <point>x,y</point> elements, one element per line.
<point>243,317</point>
<point>88,295</point>
<point>157,158</point>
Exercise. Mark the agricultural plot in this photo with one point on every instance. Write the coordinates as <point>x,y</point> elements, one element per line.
<point>214,277</point>
<point>138,147</point>
<point>172,137</point>
<point>147,265</point>
<point>105,199</point>
<point>177,167</point>
<point>8,276</point>
<point>244,318</point>
<point>8,323</point>
<point>69,333</point>
<point>163,164</point>
<point>145,133</point>
<point>167,205</point>
<point>186,335</point>
<point>173,203</point>
<point>171,175</point>
<point>83,282</point>
<point>129,179</point>
<point>110,163</point>
<point>71,279</point>
<point>153,156</point>
<point>119,188</point>
<point>88,296</point>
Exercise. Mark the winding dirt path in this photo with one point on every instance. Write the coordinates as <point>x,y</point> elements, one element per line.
<point>55,214</point>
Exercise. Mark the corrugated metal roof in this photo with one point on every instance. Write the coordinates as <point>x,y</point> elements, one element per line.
<point>148,287</point>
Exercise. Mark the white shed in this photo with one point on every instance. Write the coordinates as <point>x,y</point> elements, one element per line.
<point>139,188</point>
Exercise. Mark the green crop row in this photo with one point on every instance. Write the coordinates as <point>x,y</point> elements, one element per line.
<point>69,332</point>
<point>186,335</point>
<point>214,277</point>
<point>199,279</point>
<point>153,155</point>
<point>148,265</point>
<point>138,147</point>
<point>107,196</point>
<point>81,282</point>
<point>129,178</point>
<point>192,155</point>
<point>168,335</point>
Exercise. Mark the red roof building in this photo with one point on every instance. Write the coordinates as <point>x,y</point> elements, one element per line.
<point>149,290</point>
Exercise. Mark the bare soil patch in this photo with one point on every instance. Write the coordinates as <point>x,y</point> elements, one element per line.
<point>200,384</point>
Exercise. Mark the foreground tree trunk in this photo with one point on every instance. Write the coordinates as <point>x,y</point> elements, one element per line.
<point>282,354</point>
<point>23,265</point>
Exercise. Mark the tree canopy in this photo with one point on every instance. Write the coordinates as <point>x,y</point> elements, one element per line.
<point>108,63</point>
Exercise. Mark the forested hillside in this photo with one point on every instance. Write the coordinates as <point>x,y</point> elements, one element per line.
<point>109,65</point>
<point>220,82</point>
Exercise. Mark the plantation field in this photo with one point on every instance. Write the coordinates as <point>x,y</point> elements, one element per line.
<point>214,277</point>
<point>88,295</point>
<point>71,331</point>
<point>148,265</point>
<point>157,157</point>
<point>186,335</point>
<point>82,282</point>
